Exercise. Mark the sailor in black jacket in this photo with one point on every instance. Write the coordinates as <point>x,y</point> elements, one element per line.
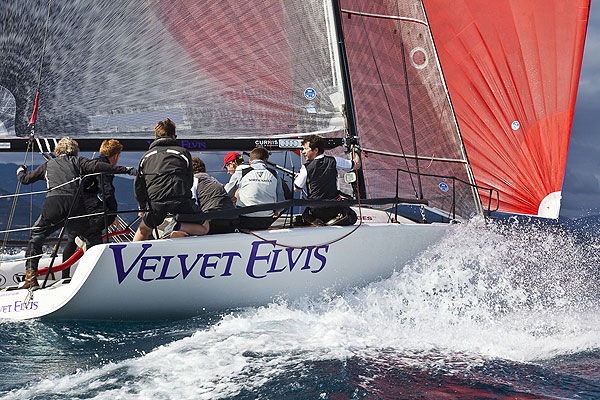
<point>62,178</point>
<point>319,176</point>
<point>98,194</point>
<point>165,182</point>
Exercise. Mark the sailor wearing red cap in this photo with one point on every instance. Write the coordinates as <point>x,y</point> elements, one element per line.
<point>231,161</point>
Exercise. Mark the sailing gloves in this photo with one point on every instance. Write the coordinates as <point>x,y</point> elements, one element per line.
<point>22,168</point>
<point>132,171</point>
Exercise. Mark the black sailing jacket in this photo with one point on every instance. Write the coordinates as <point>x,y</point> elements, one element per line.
<point>62,169</point>
<point>166,169</point>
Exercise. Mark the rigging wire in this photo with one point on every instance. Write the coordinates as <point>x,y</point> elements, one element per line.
<point>360,221</point>
<point>32,135</point>
<point>31,197</point>
<point>386,96</point>
<point>14,205</point>
<point>39,82</point>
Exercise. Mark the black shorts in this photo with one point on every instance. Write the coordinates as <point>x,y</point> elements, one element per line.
<point>255,223</point>
<point>222,225</point>
<point>159,212</point>
<point>323,215</point>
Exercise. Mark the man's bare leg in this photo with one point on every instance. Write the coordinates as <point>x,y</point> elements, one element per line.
<point>187,228</point>
<point>142,233</point>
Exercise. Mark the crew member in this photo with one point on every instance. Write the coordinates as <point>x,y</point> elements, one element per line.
<point>93,198</point>
<point>211,196</point>
<point>62,178</point>
<point>319,175</point>
<point>256,184</point>
<point>165,182</point>
<point>231,161</point>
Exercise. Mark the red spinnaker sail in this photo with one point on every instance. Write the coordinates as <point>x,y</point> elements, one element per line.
<point>512,69</point>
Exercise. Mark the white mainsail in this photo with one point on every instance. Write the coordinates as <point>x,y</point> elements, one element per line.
<point>225,69</point>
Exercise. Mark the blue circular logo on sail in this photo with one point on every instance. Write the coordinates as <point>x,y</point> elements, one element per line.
<point>443,187</point>
<point>515,125</point>
<point>310,93</point>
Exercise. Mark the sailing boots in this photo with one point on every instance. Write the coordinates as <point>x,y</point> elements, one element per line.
<point>30,281</point>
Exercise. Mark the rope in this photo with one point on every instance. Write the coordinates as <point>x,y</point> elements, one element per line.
<point>305,247</point>
<point>322,244</point>
<point>421,208</point>
<point>14,206</point>
<point>124,192</point>
<point>47,190</point>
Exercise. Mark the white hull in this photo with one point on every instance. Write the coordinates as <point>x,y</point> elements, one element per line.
<point>177,278</point>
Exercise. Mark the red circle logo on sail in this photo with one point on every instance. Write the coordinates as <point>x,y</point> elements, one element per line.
<point>418,58</point>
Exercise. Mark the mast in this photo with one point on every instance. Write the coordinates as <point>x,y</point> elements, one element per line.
<point>349,111</point>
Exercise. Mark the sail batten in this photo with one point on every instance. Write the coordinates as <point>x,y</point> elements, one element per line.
<point>396,17</point>
<point>411,156</point>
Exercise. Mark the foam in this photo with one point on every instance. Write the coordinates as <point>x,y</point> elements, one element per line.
<point>524,293</point>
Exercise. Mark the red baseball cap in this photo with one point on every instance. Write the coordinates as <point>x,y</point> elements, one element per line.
<point>231,156</point>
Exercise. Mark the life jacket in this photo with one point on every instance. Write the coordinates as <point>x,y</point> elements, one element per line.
<point>60,170</point>
<point>245,171</point>
<point>258,186</point>
<point>321,178</point>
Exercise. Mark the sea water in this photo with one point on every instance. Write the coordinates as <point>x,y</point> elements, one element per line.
<point>505,311</point>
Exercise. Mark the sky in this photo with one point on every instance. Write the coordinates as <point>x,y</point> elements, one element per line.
<point>581,186</point>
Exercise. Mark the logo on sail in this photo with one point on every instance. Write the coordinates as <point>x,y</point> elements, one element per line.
<point>418,58</point>
<point>310,93</point>
<point>311,108</point>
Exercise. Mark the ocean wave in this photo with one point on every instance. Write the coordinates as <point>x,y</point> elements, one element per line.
<point>516,292</point>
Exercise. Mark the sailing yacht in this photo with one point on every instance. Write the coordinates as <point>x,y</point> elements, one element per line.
<point>238,74</point>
